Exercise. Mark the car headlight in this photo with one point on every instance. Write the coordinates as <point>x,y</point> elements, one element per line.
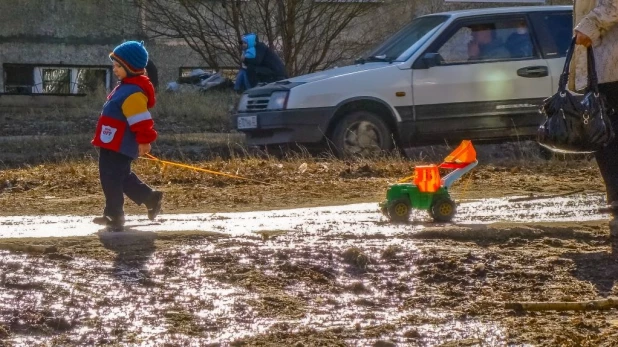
<point>278,101</point>
<point>242,104</point>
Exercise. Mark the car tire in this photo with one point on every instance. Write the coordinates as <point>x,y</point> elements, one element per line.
<point>362,134</point>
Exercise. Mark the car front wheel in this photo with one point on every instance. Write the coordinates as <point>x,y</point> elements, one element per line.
<point>363,134</point>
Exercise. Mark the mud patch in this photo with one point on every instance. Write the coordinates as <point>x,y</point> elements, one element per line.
<point>73,186</point>
<point>430,288</point>
<point>359,218</point>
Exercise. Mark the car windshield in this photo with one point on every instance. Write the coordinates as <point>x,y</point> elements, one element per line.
<point>400,46</point>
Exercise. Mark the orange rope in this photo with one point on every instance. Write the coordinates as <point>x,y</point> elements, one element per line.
<point>406,179</point>
<point>466,186</point>
<point>165,162</point>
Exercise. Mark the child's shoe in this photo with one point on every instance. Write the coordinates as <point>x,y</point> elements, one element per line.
<point>153,204</point>
<point>113,224</point>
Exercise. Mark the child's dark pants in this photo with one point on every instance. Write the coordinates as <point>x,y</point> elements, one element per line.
<point>117,179</point>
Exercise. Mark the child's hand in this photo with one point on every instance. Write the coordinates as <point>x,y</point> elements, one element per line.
<point>143,148</point>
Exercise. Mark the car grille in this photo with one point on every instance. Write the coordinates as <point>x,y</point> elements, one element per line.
<point>257,104</point>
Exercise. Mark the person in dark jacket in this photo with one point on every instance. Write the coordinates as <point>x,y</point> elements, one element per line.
<point>260,64</point>
<point>247,45</point>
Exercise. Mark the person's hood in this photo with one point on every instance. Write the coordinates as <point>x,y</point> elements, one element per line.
<point>250,39</point>
<point>144,83</point>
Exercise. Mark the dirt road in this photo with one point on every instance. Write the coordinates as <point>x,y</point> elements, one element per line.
<point>326,276</point>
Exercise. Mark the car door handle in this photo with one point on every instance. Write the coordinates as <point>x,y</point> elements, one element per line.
<point>533,71</point>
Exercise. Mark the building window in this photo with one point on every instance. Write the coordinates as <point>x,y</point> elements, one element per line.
<point>33,79</point>
<point>90,80</point>
<point>56,81</point>
<point>18,79</point>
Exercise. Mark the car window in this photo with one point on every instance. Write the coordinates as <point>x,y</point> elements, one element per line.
<point>554,31</point>
<point>398,46</point>
<point>488,41</point>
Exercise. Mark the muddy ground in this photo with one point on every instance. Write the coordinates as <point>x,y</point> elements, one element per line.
<point>73,187</point>
<point>441,285</point>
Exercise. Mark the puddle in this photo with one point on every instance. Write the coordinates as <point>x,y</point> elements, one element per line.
<point>357,218</point>
<point>225,291</point>
<point>318,275</point>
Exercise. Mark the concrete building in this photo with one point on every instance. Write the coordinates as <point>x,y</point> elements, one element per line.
<point>62,46</point>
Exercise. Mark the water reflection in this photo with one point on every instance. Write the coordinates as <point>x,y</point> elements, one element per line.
<point>357,218</point>
<point>217,292</point>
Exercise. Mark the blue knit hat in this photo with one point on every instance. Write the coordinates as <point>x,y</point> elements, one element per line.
<point>132,56</point>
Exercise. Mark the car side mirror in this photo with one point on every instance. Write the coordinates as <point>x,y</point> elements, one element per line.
<point>431,59</point>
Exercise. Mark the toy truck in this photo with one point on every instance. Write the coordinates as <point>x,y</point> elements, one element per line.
<point>428,191</point>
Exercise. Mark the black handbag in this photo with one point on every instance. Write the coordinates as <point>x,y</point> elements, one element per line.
<point>574,124</point>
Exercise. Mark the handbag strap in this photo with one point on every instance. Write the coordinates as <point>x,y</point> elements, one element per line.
<point>564,77</point>
<point>593,79</point>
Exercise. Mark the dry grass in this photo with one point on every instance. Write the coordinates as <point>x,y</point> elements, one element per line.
<point>190,113</point>
<point>295,180</point>
<point>174,113</point>
<point>33,150</point>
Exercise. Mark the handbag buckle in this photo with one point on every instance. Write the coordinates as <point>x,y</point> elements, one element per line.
<point>586,117</point>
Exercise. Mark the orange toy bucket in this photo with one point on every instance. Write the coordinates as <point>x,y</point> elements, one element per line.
<point>463,154</point>
<point>427,178</point>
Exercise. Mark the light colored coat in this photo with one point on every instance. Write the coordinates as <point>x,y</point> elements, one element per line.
<point>597,19</point>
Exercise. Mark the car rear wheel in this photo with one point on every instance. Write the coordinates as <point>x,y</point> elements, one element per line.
<point>363,134</point>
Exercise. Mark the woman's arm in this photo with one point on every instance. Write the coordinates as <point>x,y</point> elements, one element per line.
<point>602,18</point>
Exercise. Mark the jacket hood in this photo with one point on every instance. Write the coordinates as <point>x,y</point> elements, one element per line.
<point>144,83</point>
<point>250,40</point>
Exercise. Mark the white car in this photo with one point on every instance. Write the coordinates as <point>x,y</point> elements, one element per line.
<point>475,74</point>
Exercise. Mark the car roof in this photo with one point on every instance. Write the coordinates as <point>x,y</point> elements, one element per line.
<point>502,10</point>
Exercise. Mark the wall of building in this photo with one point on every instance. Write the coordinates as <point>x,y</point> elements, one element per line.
<point>83,32</point>
<point>79,32</point>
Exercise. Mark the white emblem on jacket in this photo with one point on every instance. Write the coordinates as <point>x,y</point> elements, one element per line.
<point>107,134</point>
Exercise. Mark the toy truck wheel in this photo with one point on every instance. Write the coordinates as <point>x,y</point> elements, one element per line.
<point>399,211</point>
<point>443,210</point>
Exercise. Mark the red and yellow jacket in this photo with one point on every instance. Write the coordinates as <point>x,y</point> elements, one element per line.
<point>125,120</point>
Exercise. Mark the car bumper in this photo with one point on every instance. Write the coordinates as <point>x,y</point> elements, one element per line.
<point>289,126</point>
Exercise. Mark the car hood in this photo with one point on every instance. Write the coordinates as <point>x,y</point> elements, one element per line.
<point>290,83</point>
<point>340,71</point>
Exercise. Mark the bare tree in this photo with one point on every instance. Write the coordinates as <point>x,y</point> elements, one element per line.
<point>309,35</point>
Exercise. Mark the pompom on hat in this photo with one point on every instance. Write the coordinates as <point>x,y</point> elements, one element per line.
<point>132,55</point>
